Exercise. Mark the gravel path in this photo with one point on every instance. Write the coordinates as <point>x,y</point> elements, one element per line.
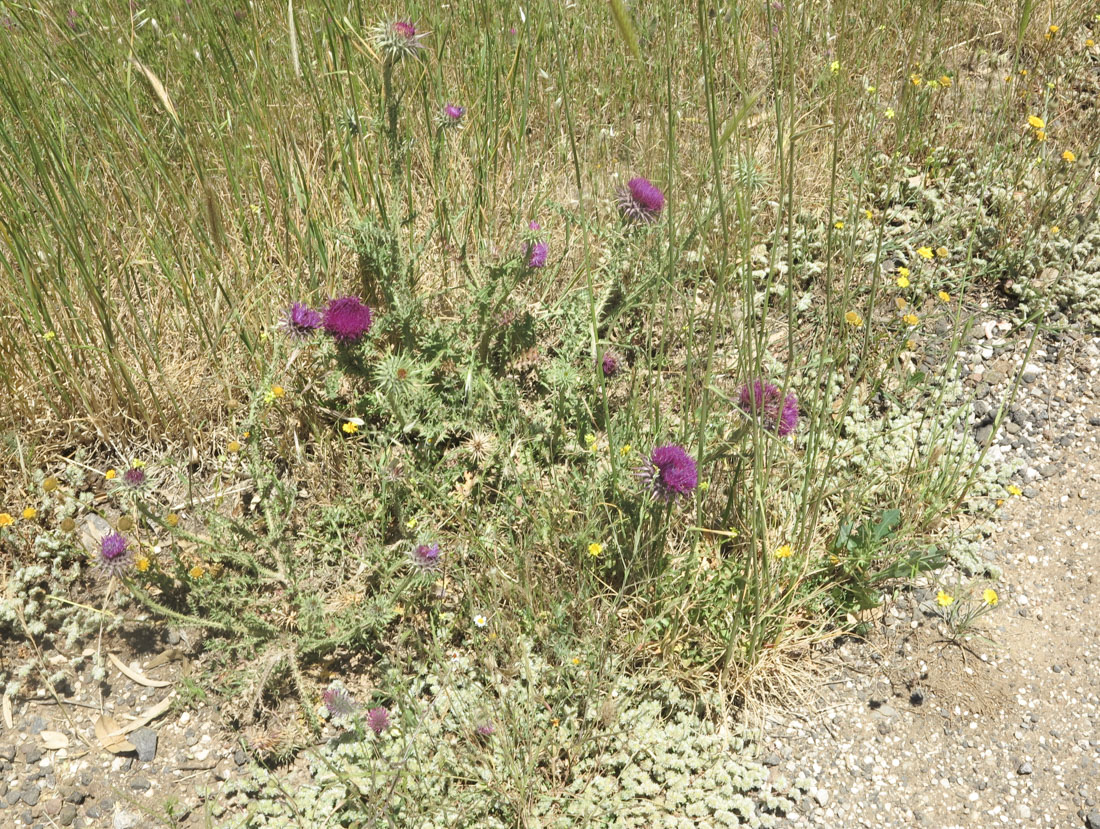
<point>913,730</point>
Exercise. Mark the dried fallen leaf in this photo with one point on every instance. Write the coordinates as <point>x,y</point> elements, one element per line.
<point>137,676</point>
<point>6,705</point>
<point>54,740</point>
<point>112,740</point>
<point>163,658</point>
<point>148,716</point>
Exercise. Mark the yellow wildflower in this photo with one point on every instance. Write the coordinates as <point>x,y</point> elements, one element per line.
<point>411,523</point>
<point>989,595</point>
<point>944,296</point>
<point>171,519</point>
<point>576,660</point>
<point>1040,135</point>
<point>350,428</point>
<point>852,318</point>
<point>234,446</point>
<point>589,440</point>
<point>944,599</point>
<point>141,563</point>
<point>49,335</point>
<point>945,81</point>
<point>110,474</point>
<point>834,67</point>
<point>903,281</point>
<point>838,225</point>
<point>595,549</point>
<point>910,319</point>
<point>909,344</point>
<point>6,520</point>
<point>925,252</point>
<point>1051,32</point>
<point>784,551</point>
<point>1069,157</point>
<point>1012,489</point>
<point>942,252</point>
<point>1090,43</point>
<point>624,450</point>
<point>196,572</point>
<point>1055,230</point>
<point>867,214</point>
<point>1036,122</point>
<point>277,392</point>
<point>889,112</point>
<point>916,80</point>
<point>29,513</point>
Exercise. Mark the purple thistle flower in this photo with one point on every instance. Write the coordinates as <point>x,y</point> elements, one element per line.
<point>536,249</point>
<point>452,115</point>
<point>378,719</point>
<point>338,702</point>
<point>670,472</point>
<point>114,554</point>
<point>347,319</point>
<point>300,321</point>
<point>398,39</point>
<point>765,401</point>
<point>425,556</point>
<point>485,730</point>
<point>641,200</point>
<point>610,364</point>
<point>537,257</point>
<point>134,477</point>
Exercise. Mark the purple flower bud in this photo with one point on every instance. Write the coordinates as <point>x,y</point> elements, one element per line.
<point>114,554</point>
<point>641,201</point>
<point>425,556</point>
<point>338,702</point>
<point>670,472</point>
<point>774,412</point>
<point>378,719</point>
<point>300,321</point>
<point>347,319</point>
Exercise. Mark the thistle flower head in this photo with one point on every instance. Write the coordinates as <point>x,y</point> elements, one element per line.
<point>670,472</point>
<point>134,477</point>
<point>338,702</point>
<point>425,556</point>
<point>641,200</point>
<point>537,256</point>
<point>765,402</point>
<point>300,321</point>
<point>378,719</point>
<point>114,553</point>
<point>347,319</point>
<point>610,364</point>
<point>452,115</point>
<point>485,730</point>
<point>398,39</point>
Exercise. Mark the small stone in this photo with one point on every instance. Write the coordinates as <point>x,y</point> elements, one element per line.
<point>145,741</point>
<point>67,815</point>
<point>771,759</point>
<point>1092,820</point>
<point>124,820</point>
<point>73,795</point>
<point>173,637</point>
<point>140,784</point>
<point>982,433</point>
<point>1048,470</point>
<point>1056,668</point>
<point>1024,768</point>
<point>222,772</point>
<point>7,753</point>
<point>1024,811</point>
<point>240,757</point>
<point>820,795</point>
<point>31,753</point>
<point>191,737</point>
<point>30,795</point>
<point>38,725</point>
<point>53,806</point>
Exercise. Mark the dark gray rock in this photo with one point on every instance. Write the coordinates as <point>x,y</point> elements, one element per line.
<point>1024,768</point>
<point>38,725</point>
<point>240,757</point>
<point>31,753</point>
<point>1092,820</point>
<point>73,795</point>
<point>30,795</point>
<point>7,753</point>
<point>145,741</point>
<point>140,784</point>
<point>67,815</point>
<point>771,759</point>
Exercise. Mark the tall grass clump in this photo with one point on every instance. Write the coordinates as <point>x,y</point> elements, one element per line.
<point>561,345</point>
